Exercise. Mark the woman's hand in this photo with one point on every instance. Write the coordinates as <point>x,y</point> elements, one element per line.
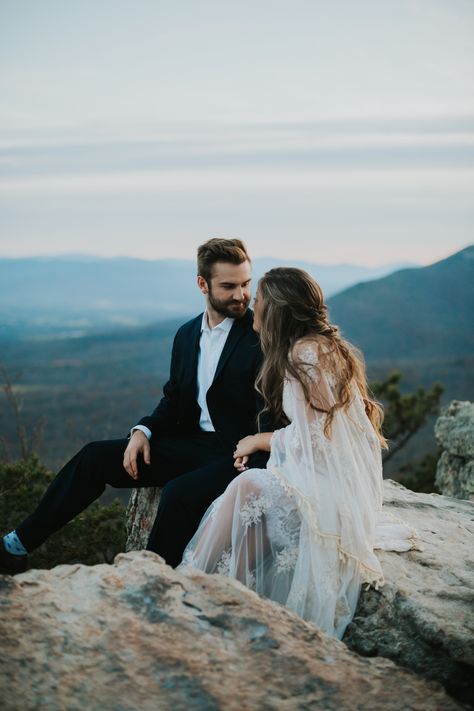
<point>240,463</point>
<point>246,446</point>
<point>249,445</point>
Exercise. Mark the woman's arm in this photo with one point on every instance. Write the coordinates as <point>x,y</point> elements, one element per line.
<point>249,445</point>
<point>253,443</point>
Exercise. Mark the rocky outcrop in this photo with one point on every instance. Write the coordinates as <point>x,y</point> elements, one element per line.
<point>140,515</point>
<point>454,431</point>
<point>137,635</point>
<point>422,617</point>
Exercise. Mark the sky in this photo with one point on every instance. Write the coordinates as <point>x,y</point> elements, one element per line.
<point>332,132</point>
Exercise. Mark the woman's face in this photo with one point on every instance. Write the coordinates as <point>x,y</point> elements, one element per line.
<point>257,311</point>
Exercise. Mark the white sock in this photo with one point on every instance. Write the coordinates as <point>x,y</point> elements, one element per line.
<point>13,544</point>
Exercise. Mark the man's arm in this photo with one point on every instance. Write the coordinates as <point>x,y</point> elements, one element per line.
<point>162,419</point>
<point>165,415</point>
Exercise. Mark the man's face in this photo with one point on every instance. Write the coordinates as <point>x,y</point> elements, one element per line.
<point>228,292</point>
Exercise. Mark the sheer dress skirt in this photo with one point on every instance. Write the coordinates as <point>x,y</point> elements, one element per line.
<point>302,532</point>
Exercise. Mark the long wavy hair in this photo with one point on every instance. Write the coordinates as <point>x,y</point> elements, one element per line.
<point>293,308</point>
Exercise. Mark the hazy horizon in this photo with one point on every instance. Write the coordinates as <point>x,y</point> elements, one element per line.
<point>91,256</point>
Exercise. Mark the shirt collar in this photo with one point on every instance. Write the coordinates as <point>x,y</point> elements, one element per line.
<point>224,325</point>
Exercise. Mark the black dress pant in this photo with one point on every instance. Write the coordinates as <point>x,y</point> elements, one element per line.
<point>193,471</point>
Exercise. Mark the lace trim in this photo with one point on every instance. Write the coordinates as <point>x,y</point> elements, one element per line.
<point>223,564</point>
<point>370,575</point>
<point>189,559</point>
<point>315,358</point>
<point>413,538</point>
<point>253,509</point>
<point>286,559</point>
<point>316,430</point>
<point>308,358</point>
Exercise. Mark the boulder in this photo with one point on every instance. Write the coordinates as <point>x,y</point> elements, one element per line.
<point>454,431</point>
<point>422,618</point>
<point>140,515</point>
<point>136,635</point>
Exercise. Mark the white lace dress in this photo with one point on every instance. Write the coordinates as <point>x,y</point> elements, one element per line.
<point>302,531</point>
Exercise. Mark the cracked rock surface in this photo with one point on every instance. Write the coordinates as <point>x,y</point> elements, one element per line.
<point>454,430</point>
<point>423,616</point>
<point>138,635</point>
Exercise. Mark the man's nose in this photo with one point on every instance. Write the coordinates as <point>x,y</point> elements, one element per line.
<point>239,294</point>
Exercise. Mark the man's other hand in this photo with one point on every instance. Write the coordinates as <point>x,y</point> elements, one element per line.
<point>138,444</point>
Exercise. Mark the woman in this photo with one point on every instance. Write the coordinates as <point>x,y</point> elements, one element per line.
<point>302,531</point>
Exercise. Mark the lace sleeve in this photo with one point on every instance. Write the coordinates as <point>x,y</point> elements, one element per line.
<point>307,402</point>
<point>313,361</point>
<point>336,478</point>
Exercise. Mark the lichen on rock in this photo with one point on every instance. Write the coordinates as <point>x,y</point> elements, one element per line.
<point>138,635</point>
<point>454,431</point>
<point>422,618</point>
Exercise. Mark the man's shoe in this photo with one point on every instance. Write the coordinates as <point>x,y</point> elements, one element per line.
<point>11,564</point>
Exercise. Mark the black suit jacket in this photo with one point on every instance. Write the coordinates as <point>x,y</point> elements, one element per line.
<point>232,399</point>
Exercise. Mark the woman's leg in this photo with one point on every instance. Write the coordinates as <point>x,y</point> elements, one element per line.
<point>236,527</point>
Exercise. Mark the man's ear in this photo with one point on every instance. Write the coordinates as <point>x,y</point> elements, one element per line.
<point>202,284</point>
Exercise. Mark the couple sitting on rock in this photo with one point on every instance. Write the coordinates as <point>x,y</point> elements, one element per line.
<point>266,444</point>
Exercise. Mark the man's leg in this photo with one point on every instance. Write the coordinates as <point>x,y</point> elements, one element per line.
<point>183,502</point>
<point>83,479</point>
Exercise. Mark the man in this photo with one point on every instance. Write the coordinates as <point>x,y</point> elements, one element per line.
<point>186,444</point>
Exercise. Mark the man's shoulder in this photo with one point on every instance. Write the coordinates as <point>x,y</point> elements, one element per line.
<point>189,330</point>
<point>190,325</point>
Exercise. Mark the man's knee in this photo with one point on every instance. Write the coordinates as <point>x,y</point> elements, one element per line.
<point>98,458</point>
<point>94,447</point>
<point>92,451</point>
<point>172,492</point>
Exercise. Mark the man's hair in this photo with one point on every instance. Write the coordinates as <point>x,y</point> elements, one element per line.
<point>220,249</point>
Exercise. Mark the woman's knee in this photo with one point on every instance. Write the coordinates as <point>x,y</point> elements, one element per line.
<point>244,485</point>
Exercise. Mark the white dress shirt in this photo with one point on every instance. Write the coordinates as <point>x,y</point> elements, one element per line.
<point>211,345</point>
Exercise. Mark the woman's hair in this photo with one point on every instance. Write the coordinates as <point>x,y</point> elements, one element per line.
<point>219,249</point>
<point>292,308</point>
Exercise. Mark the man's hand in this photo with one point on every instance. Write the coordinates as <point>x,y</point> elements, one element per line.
<point>138,444</point>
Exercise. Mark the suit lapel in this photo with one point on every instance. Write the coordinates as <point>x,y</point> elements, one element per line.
<point>194,338</point>
<point>238,330</point>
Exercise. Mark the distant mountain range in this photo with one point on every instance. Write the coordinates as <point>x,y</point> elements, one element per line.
<point>419,321</point>
<point>414,313</point>
<point>79,295</point>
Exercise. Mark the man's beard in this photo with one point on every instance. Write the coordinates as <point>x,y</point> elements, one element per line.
<point>228,308</point>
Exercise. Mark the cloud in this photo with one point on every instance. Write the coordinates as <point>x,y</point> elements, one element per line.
<point>151,157</point>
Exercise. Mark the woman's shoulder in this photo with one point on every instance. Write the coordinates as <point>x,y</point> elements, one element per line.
<point>310,349</point>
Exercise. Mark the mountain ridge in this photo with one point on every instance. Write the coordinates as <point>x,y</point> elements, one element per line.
<point>421,312</point>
